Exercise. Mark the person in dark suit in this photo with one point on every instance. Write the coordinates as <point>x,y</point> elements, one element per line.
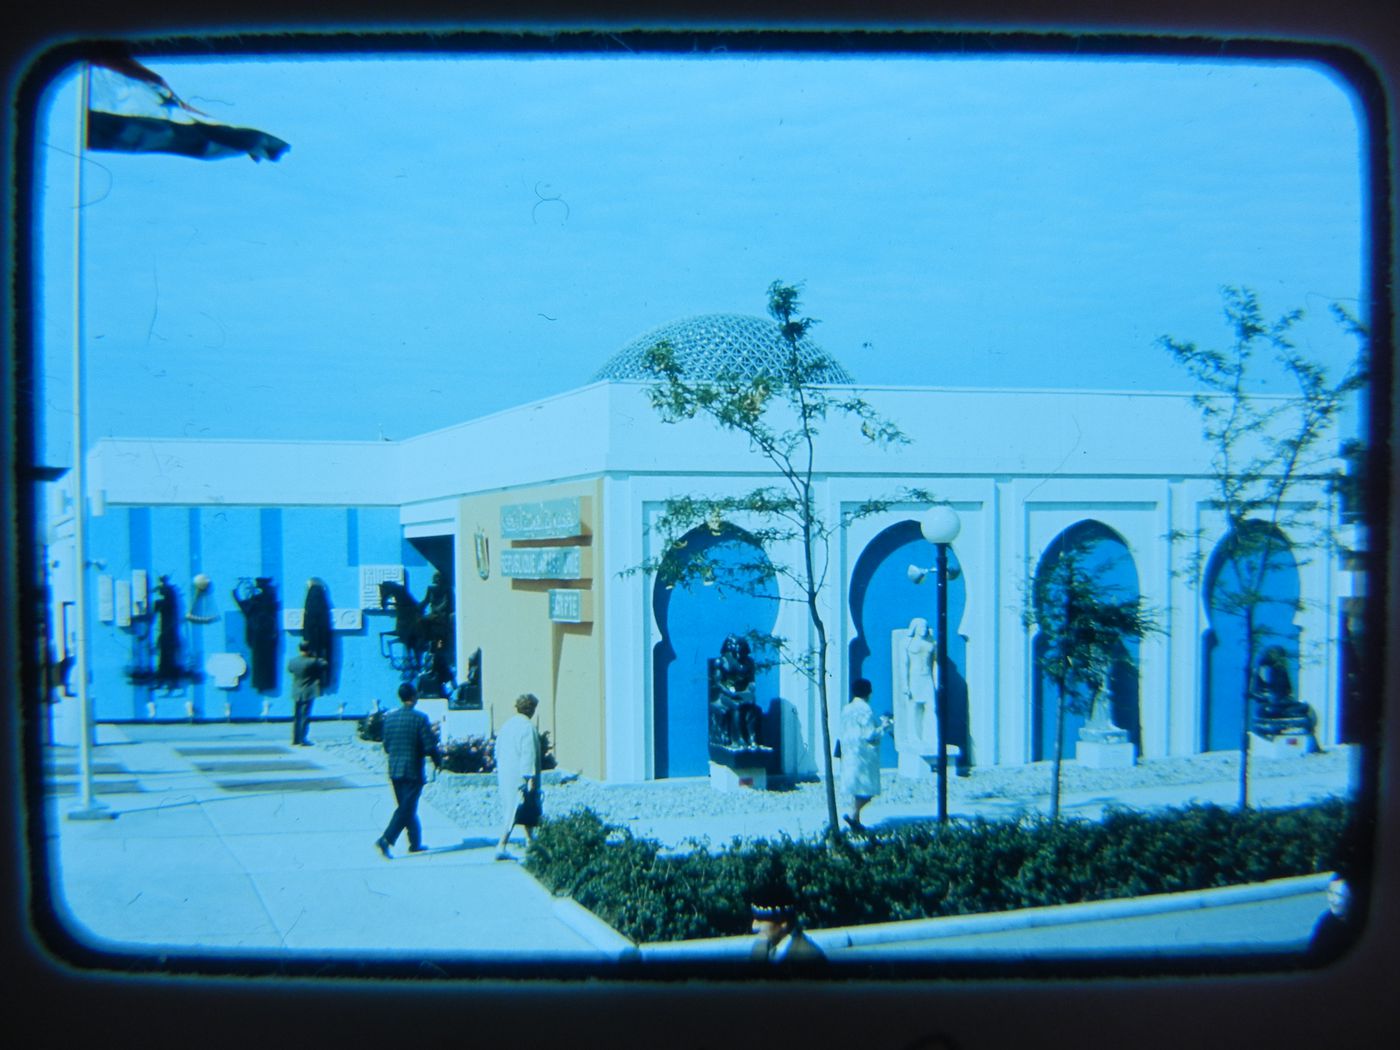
<point>408,739</point>
<point>306,671</point>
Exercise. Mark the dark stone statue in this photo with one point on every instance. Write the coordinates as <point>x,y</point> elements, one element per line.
<point>735,717</point>
<point>316,627</point>
<point>258,600</point>
<point>165,606</point>
<point>468,695</point>
<point>1276,710</point>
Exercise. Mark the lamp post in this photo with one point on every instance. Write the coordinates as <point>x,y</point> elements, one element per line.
<point>940,526</point>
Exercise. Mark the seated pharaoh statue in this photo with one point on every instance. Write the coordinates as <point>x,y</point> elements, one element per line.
<point>734,715</point>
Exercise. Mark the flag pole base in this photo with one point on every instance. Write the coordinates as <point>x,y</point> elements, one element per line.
<point>94,812</point>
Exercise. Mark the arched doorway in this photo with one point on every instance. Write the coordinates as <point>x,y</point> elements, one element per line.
<point>1102,555</point>
<point>883,599</point>
<point>695,617</point>
<point>1252,587</point>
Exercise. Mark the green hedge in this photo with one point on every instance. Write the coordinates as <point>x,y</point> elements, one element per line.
<point>964,867</point>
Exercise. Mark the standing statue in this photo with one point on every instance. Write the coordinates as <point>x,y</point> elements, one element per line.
<point>734,715</point>
<point>258,600</point>
<point>316,628</point>
<point>920,678</point>
<point>166,607</point>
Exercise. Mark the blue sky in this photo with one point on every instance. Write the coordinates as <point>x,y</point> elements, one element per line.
<point>452,237</point>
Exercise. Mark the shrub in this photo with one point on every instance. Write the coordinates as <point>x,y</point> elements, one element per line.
<point>473,754</point>
<point>962,867</point>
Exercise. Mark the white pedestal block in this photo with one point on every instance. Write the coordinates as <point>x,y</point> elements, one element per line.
<point>912,766</point>
<point>722,778</point>
<point>1093,754</point>
<point>435,707</point>
<point>66,722</point>
<point>1285,745</point>
<point>461,724</point>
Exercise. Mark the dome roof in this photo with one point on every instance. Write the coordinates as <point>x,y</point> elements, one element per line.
<point>710,344</point>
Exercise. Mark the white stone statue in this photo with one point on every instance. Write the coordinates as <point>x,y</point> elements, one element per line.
<point>916,681</point>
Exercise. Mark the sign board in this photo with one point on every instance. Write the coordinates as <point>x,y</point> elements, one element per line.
<point>371,576</point>
<point>571,606</point>
<point>547,563</point>
<point>552,519</point>
<point>106,611</point>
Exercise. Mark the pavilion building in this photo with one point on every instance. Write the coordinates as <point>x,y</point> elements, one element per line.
<point>541,517</point>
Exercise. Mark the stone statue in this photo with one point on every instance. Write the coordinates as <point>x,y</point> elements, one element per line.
<point>734,715</point>
<point>316,626</point>
<point>437,601</point>
<point>1276,710</point>
<point>920,678</point>
<point>258,600</point>
<point>165,606</point>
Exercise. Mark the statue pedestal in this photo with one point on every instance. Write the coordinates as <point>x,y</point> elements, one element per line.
<point>1284,745</point>
<point>459,725</point>
<point>738,778</point>
<point>1105,754</point>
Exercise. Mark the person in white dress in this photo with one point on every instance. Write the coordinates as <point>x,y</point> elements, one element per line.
<point>518,772</point>
<point>860,751</point>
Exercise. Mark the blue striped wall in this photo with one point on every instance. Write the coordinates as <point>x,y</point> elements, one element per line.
<point>288,544</point>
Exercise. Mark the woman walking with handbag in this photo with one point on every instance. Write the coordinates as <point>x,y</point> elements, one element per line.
<point>518,772</point>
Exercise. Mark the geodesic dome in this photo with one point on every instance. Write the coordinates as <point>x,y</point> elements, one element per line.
<point>710,344</point>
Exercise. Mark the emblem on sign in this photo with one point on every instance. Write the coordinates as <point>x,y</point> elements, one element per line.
<point>483,554</point>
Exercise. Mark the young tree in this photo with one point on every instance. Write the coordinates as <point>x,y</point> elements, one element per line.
<point>1267,459</point>
<point>1083,626</point>
<point>781,413</point>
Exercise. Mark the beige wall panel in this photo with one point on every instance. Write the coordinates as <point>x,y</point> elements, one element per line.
<point>522,650</point>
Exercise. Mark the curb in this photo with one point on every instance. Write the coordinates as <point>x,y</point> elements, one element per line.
<point>593,929</point>
<point>875,934</point>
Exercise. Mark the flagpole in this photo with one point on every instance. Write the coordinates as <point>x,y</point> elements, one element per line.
<point>89,808</point>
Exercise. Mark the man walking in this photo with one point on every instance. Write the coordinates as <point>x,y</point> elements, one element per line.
<point>306,671</point>
<point>408,739</point>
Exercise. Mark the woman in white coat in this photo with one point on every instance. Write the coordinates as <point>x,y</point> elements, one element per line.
<point>860,751</point>
<point>518,772</point>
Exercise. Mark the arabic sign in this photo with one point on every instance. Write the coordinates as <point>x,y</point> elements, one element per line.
<point>552,519</point>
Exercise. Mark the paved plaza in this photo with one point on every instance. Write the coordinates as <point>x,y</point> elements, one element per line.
<point>228,840</point>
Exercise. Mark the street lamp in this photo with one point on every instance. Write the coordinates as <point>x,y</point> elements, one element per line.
<point>940,526</point>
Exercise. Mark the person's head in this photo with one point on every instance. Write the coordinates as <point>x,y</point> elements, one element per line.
<point>1339,895</point>
<point>408,694</point>
<point>861,689</point>
<point>526,703</point>
<point>774,912</point>
<point>304,648</point>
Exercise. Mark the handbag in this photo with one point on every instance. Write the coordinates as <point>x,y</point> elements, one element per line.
<point>527,810</point>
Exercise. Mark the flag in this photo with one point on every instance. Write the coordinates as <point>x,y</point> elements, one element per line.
<point>133,110</point>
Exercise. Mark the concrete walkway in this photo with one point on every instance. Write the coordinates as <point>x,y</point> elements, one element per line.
<point>228,840</point>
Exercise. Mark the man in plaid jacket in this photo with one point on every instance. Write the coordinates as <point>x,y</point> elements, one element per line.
<point>408,739</point>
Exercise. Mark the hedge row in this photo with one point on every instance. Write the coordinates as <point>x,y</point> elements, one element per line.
<point>963,867</point>
<point>473,754</point>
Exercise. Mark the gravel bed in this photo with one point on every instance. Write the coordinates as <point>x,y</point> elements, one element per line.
<point>470,799</point>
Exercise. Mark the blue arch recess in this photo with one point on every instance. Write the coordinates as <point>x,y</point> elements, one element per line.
<point>1108,557</point>
<point>694,620</point>
<point>1224,649</point>
<point>883,598</point>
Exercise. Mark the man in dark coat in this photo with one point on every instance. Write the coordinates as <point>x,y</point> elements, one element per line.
<point>408,739</point>
<point>306,671</point>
